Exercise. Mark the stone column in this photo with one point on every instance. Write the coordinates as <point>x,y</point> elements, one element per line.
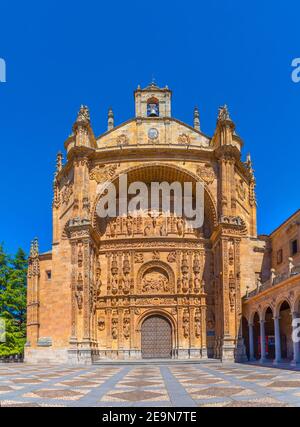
<point>296,344</point>
<point>262,341</point>
<point>251,342</point>
<point>203,332</point>
<point>277,340</point>
<point>73,338</point>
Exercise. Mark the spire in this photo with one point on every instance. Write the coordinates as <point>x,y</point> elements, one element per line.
<point>224,133</point>
<point>82,130</point>
<point>83,116</point>
<point>110,119</point>
<point>196,119</point>
<point>59,165</point>
<point>34,248</point>
<point>249,164</point>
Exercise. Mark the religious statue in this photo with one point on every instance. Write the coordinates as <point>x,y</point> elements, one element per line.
<point>180,226</point>
<point>79,299</point>
<point>197,323</point>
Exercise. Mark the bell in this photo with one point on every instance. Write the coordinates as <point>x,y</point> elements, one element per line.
<point>153,110</point>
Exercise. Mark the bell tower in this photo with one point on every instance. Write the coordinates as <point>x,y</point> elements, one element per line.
<point>153,101</point>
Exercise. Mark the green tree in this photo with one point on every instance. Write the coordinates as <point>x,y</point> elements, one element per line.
<point>13,301</point>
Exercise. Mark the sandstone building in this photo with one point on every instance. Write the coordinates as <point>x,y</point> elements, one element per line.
<point>150,287</point>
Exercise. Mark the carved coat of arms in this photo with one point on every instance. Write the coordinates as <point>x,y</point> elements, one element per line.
<point>206,173</point>
<point>103,173</point>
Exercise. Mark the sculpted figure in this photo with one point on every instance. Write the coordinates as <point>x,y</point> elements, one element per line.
<point>113,228</point>
<point>129,225</point>
<point>185,324</point>
<point>180,226</point>
<point>197,283</point>
<point>114,285</point>
<point>163,230</point>
<point>126,284</point>
<point>147,231</point>
<point>126,327</point>
<point>185,283</point>
<point>114,332</point>
<point>79,299</point>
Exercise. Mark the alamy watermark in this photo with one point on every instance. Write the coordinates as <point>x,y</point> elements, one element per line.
<point>160,198</point>
<point>2,71</point>
<point>296,72</point>
<point>296,330</point>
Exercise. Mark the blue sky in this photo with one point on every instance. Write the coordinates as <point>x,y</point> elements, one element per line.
<point>63,54</point>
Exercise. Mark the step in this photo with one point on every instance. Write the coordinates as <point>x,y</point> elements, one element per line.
<point>122,362</point>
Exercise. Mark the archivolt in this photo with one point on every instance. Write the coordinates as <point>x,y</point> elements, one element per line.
<point>162,172</point>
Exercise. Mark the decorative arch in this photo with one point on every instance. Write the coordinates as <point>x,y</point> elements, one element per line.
<point>279,304</point>
<point>265,309</point>
<point>252,315</point>
<point>156,312</point>
<point>180,173</point>
<point>296,304</point>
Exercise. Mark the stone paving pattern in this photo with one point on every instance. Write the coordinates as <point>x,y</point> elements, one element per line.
<point>171,385</point>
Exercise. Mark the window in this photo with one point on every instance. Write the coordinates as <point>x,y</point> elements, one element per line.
<point>279,256</point>
<point>48,274</point>
<point>152,107</point>
<point>294,247</point>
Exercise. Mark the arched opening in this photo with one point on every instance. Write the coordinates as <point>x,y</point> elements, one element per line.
<point>156,338</point>
<point>145,222</point>
<point>245,330</point>
<point>296,332</point>
<point>285,322</point>
<point>270,335</point>
<point>152,107</point>
<point>256,336</point>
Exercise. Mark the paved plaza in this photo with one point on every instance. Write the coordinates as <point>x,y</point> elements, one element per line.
<point>164,385</point>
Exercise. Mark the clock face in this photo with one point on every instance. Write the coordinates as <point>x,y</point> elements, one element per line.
<point>153,133</point>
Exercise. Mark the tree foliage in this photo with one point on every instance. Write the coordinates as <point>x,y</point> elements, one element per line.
<point>13,271</point>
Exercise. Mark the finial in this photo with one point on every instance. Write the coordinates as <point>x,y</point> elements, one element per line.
<point>83,115</point>
<point>196,118</point>
<point>223,114</point>
<point>249,164</point>
<point>34,248</point>
<point>153,82</point>
<point>110,119</point>
<point>59,165</point>
<point>31,248</point>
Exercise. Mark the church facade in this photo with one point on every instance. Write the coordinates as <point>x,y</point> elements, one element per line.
<point>148,286</point>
